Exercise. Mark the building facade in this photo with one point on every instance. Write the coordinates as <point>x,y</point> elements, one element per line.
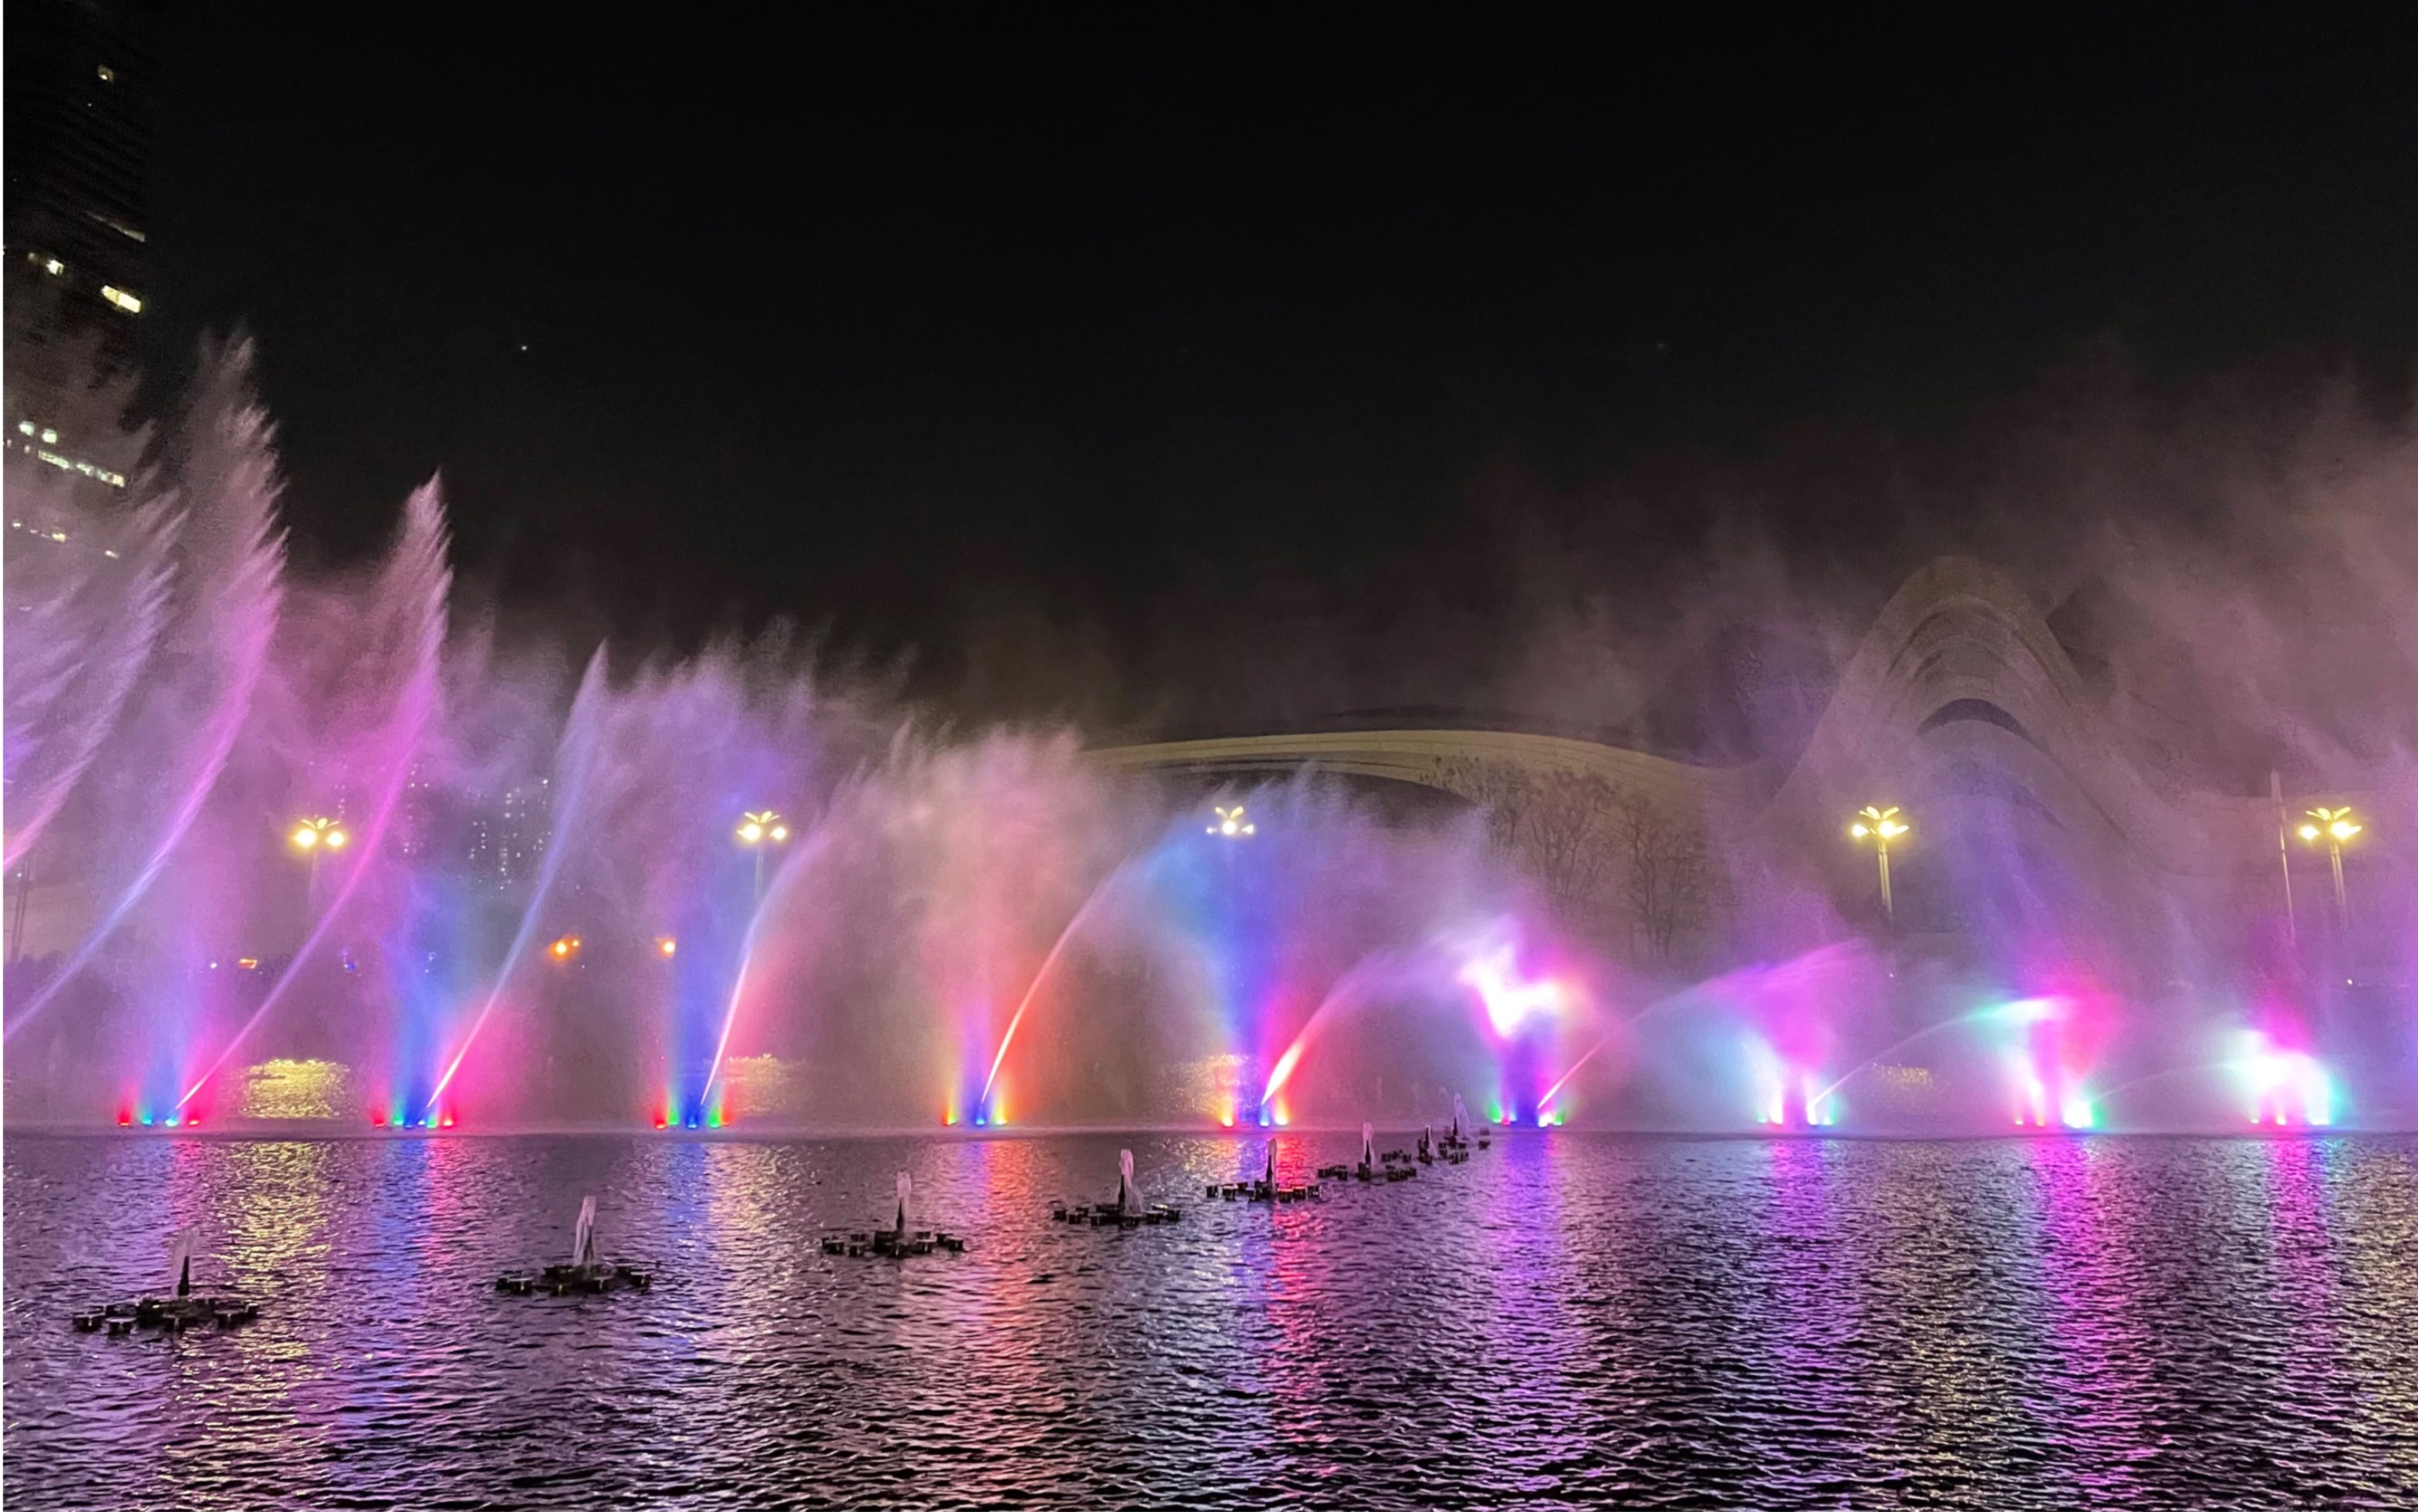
<point>83,106</point>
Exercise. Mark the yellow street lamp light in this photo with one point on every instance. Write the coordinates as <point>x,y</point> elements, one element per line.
<point>755,832</point>
<point>2333,826</point>
<point>1230,823</point>
<point>313,838</point>
<point>665,946</point>
<point>1881,826</point>
<point>310,835</point>
<point>565,948</point>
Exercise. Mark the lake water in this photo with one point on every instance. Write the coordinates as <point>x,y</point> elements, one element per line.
<point>1567,1320</point>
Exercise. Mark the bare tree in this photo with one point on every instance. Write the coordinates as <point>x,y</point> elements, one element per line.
<point>1559,827</point>
<point>1500,789</point>
<point>1567,837</point>
<point>1670,880</point>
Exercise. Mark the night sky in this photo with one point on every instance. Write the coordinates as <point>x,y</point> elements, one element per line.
<point>1101,365</point>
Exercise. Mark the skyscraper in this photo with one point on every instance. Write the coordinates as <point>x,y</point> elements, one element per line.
<point>83,99</point>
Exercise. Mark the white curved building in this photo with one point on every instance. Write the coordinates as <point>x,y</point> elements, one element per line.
<point>2032,808</point>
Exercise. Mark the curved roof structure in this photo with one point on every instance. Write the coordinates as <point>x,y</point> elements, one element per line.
<point>1960,705</point>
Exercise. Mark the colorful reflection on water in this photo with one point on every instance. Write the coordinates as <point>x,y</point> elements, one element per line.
<point>1776,1321</point>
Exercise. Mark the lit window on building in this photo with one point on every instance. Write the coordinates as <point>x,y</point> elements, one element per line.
<point>115,480</point>
<point>119,297</point>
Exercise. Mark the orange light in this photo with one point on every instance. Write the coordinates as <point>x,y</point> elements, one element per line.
<point>250,963</point>
<point>666,946</point>
<point>563,950</point>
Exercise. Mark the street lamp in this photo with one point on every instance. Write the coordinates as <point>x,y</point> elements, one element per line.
<point>1230,823</point>
<point>312,835</point>
<point>1881,826</point>
<point>757,831</point>
<point>315,839</point>
<point>2333,826</point>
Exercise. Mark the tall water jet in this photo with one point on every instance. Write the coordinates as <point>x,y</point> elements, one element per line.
<point>89,593</point>
<point>224,608</point>
<point>364,699</point>
<point>1129,1203</point>
<point>583,1235</point>
<point>574,765</point>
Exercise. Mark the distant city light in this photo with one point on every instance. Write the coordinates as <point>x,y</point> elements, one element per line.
<point>124,300</point>
<point>565,948</point>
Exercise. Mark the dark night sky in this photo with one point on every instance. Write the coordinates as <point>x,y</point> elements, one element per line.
<point>1146,340</point>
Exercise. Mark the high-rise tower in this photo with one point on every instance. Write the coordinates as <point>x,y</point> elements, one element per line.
<point>83,98</point>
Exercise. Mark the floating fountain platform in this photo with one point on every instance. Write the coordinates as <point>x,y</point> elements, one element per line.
<point>1108,1215</point>
<point>888,1244</point>
<point>181,1310</point>
<point>584,1275</point>
<point>170,1315</point>
<point>898,1241</point>
<point>1266,1189</point>
<point>1128,1210</point>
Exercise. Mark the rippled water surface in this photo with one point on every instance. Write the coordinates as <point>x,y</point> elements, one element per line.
<point>1567,1320</point>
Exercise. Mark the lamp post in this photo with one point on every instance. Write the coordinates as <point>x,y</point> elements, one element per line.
<point>315,839</point>
<point>2333,826</point>
<point>1881,826</point>
<point>2284,855</point>
<point>17,914</point>
<point>757,831</point>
